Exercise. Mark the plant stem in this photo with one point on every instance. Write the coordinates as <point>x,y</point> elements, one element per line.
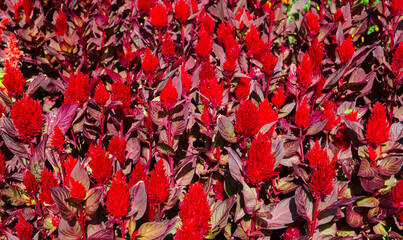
<point>314,217</point>
<point>122,227</point>
<point>81,220</point>
<point>302,144</point>
<point>170,159</point>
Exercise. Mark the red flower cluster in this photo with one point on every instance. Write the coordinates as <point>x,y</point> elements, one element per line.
<point>23,228</point>
<point>118,197</point>
<point>169,95</point>
<point>30,183</point>
<point>144,6</point>
<point>2,166</point>
<point>293,231</point>
<point>77,189</point>
<point>117,147</point>
<point>61,24</point>
<point>78,89</point>
<point>279,98</point>
<point>121,92</point>
<point>266,114</point>
<point>204,45</point>
<point>168,46</point>
<point>159,16</point>
<point>58,139</point>
<point>246,119</point>
<point>329,113</point>
<point>138,174</point>
<point>302,114</point>
<point>312,21</point>
<point>47,181</point>
<point>13,79</point>
<point>378,126</point>
<point>396,6</point>
<point>149,63</point>
<point>101,95</point>
<point>186,80</point>
<point>316,54</point>
<point>242,89</point>
<point>342,138</point>
<point>69,165</point>
<point>241,19</point>
<point>397,198</point>
<point>182,10</point>
<point>27,118</point>
<point>212,91</point>
<point>397,62</point>
<point>304,71</point>
<point>12,52</point>
<point>346,50</point>
<point>100,164</point>
<point>2,26</point>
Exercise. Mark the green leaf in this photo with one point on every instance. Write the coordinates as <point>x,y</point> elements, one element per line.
<point>12,196</point>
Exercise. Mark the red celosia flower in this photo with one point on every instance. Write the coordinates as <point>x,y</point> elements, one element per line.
<point>378,126</point>
<point>159,16</point>
<point>266,115</point>
<point>195,6</point>
<point>150,211</point>
<point>58,139</point>
<point>397,62</point>
<point>397,198</point>
<point>229,65</point>
<point>204,45</point>
<point>372,155</point>
<point>338,16</point>
<point>224,33</point>
<point>78,89</point>
<point>238,17</point>
<point>219,191</point>
<point>316,54</point>
<point>168,47</point>
<point>182,10</point>
<point>138,174</point>
<point>396,6</point>
<point>246,119</point>
<point>23,228</point>
<point>69,164</point>
<point>207,22</point>
<point>149,123</point>
<point>12,52</point>
<point>207,71</point>
<point>269,61</point>
<point>30,183</point>
<point>149,63</point>
<point>186,80</point>
<point>352,116</point>
<point>47,181</point>
<point>157,186</point>
<point>13,79</point>
<point>319,86</point>
<point>169,95</point>
<point>100,164</point>
<point>2,26</point>
<point>304,71</point>
<point>213,91</point>
<point>2,166</point>
<point>205,117</point>
<point>293,231</point>
<point>118,198</point>
<point>101,95</point>
<point>278,98</point>
<point>260,163</point>
<point>144,6</point>
<point>302,114</point>
<point>342,139</point>
<point>61,24</point>
<point>242,89</point>
<point>77,189</point>
<point>27,117</point>
<point>346,50</point>
<point>117,147</point>
<point>312,21</point>
<point>253,40</point>
<point>329,113</point>
<point>194,213</point>
<point>121,92</point>
<point>27,5</point>
<point>317,156</point>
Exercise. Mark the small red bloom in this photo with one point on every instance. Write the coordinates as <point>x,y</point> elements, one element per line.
<point>58,139</point>
<point>23,228</point>
<point>138,174</point>
<point>246,119</point>
<point>121,92</point>
<point>312,22</point>
<point>293,231</point>
<point>69,164</point>
<point>169,95</point>
<point>278,98</point>
<point>168,47</point>
<point>205,117</point>
<point>100,164</point>
<point>144,6</point>
<point>12,52</point>
<point>396,6</point>
<point>77,189</point>
<point>260,163</point>
<point>159,16</point>
<point>117,147</point>
<point>186,81</point>
<point>204,45</point>
<point>329,113</point>
<point>78,89</point>
<point>118,198</point>
<point>207,71</point>
<point>397,62</point>
<point>207,22</point>
<point>182,10</point>
<point>302,114</point>
<point>13,79</point>
<point>61,24</point>
<point>149,63</point>
<point>316,54</point>
<point>238,17</point>
<point>47,181</point>
<point>219,191</point>
<point>304,71</point>
<point>101,95</point>
<point>149,123</point>
<point>378,127</point>
<point>253,41</point>
<point>372,155</point>
<point>338,16</point>
<point>157,186</point>
<point>269,61</point>
<point>27,117</point>
<point>266,115</point>
<point>346,50</point>
<point>242,89</point>
<point>2,166</point>
<point>213,91</point>
<point>397,198</point>
<point>30,183</point>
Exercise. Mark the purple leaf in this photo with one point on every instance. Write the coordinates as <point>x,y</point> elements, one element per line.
<point>366,170</point>
<point>79,174</point>
<point>69,230</point>
<point>17,148</point>
<point>304,202</point>
<point>250,198</point>
<point>373,184</point>
<point>156,230</point>
<point>316,127</point>
<point>235,165</point>
<point>285,212</point>
<point>226,129</point>
<point>105,234</point>
<point>60,195</point>
<point>95,196</point>
<point>138,201</point>
<point>219,215</point>
<point>390,166</point>
<point>61,117</point>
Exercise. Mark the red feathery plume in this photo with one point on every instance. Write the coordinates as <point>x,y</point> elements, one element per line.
<point>397,62</point>
<point>168,47</point>
<point>242,89</point>
<point>304,71</point>
<point>121,92</point>
<point>186,80</point>
<point>149,63</point>
<point>159,16</point>
<point>207,71</point>
<point>246,119</point>
<point>224,33</point>
<point>149,123</point>
<point>77,189</point>
<point>144,6</point>
<point>205,117</point>
<point>157,186</point>
<point>101,95</point>
<point>61,24</point>
<point>329,113</point>
<point>378,128</point>
<point>117,147</point>
<point>188,230</point>
<point>229,65</point>
<point>47,181</point>
<point>342,139</point>
<point>397,198</point>
<point>204,45</point>
<point>312,22</point>
<point>27,117</point>
<point>302,114</point>
<point>30,183</point>
<point>69,165</point>
<point>169,95</point>
<point>195,6</point>
<point>260,163</point>
<point>78,89</point>
<point>293,231</point>
<point>346,50</point>
<point>2,166</point>
<point>372,155</point>
<point>23,228</point>
<point>396,6</point>
<point>207,22</point>
<point>138,174</point>
<point>219,191</point>
<point>252,40</point>
<point>269,61</point>
<point>213,91</point>
<point>58,139</point>
<point>100,164</point>
<point>266,115</point>
<point>182,10</point>
<point>12,52</point>
<point>117,200</point>
<point>13,79</point>
<point>278,98</point>
<point>316,54</point>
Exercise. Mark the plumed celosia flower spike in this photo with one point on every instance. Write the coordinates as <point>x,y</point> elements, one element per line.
<point>121,92</point>
<point>28,5</point>
<point>194,213</point>
<point>229,65</point>
<point>378,128</point>
<point>212,91</point>
<point>317,156</point>
<point>58,139</point>
<point>224,33</point>
<point>195,6</point>
<point>144,6</point>
<point>168,46</point>
<point>101,95</point>
<point>13,80</point>
<point>77,189</point>
<point>372,155</point>
<point>251,39</point>
<point>78,89</point>
<point>61,24</point>
<point>302,114</point>
<point>238,17</point>
<point>157,186</point>
<point>117,147</point>
<point>293,231</point>
<point>246,119</point>
<point>2,166</point>
<point>204,45</point>
<point>30,183</point>
<point>138,174</point>
<point>118,197</point>
<point>207,22</point>
<point>159,16</point>
<point>207,71</point>
<point>242,89</point>
<point>266,114</point>
<point>205,117</point>
<point>47,181</point>
<point>100,164</point>
<point>169,95</point>
<point>304,71</point>
<point>397,198</point>
<point>329,112</point>
<point>278,98</point>
<point>260,163</point>
<point>186,80</point>
<point>149,63</point>
<point>23,228</point>
<point>69,165</point>
<point>312,21</point>
<point>3,21</point>
<point>346,50</point>
<point>316,54</point>
<point>396,7</point>
<point>12,52</point>
<point>27,117</point>
<point>182,10</point>
<point>269,61</point>
<point>397,63</point>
